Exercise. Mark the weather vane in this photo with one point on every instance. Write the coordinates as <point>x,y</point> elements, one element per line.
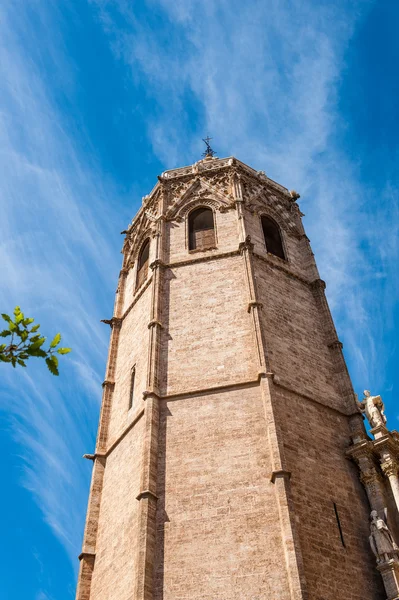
<point>208,151</point>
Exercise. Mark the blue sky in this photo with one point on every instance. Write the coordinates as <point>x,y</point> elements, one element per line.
<point>99,97</point>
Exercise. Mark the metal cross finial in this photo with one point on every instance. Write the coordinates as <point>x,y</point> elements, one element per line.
<point>208,151</point>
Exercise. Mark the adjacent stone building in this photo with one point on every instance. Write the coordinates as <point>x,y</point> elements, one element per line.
<point>221,468</point>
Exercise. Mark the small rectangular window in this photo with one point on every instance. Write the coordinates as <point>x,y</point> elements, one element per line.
<point>339,525</point>
<point>131,391</point>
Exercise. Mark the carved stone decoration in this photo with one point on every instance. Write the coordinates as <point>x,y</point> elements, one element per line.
<point>220,181</point>
<point>373,408</point>
<point>199,193</point>
<point>381,541</point>
<point>148,231</point>
<point>390,467</point>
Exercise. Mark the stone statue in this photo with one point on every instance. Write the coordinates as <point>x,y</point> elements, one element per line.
<point>381,540</point>
<point>373,407</point>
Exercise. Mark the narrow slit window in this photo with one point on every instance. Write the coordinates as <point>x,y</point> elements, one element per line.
<point>201,229</point>
<point>142,266</point>
<point>339,525</point>
<point>131,390</point>
<point>272,235</point>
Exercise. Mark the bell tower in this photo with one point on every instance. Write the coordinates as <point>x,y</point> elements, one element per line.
<point>220,470</point>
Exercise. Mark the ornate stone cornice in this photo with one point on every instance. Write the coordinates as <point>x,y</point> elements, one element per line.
<point>390,466</point>
<point>386,444</point>
<point>363,449</point>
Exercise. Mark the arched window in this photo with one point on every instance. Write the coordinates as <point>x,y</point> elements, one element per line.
<point>142,266</point>
<point>131,391</point>
<point>272,236</point>
<point>201,229</point>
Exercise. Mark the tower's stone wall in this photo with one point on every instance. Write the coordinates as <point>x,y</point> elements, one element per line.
<point>118,534</point>
<point>315,438</point>
<point>209,340</point>
<point>220,482</point>
<point>216,516</point>
<point>132,352</point>
<point>295,335</point>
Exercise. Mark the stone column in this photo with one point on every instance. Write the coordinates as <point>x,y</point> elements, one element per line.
<point>280,476</point>
<point>390,467</point>
<point>390,574</point>
<point>362,454</point>
<point>148,484</point>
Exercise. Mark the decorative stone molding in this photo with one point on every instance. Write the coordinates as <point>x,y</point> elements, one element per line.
<point>155,323</point>
<point>114,322</point>
<point>390,574</point>
<point>138,241</point>
<point>280,473</point>
<point>369,477</point>
<point>246,245</point>
<point>157,264</point>
<point>146,494</point>
<point>149,394</point>
<point>108,383</point>
<point>252,305</point>
<point>89,457</point>
<point>90,556</point>
<point>199,193</point>
<point>318,284</point>
<point>390,466</point>
<point>336,344</point>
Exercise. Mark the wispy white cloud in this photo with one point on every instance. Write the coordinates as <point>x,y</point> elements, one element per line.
<point>59,260</point>
<point>264,79</point>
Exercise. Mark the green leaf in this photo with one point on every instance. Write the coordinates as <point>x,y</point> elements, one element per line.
<point>19,317</point>
<point>6,317</point>
<point>24,336</point>
<point>5,358</point>
<point>64,350</point>
<point>56,340</point>
<point>13,361</point>
<point>35,328</point>
<point>24,355</point>
<point>37,344</point>
<point>17,311</point>
<point>21,362</point>
<point>38,352</point>
<point>5,333</point>
<point>2,346</point>
<point>11,326</point>
<point>27,322</point>
<point>52,367</point>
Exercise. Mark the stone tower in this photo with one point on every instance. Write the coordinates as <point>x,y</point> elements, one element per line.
<point>220,470</point>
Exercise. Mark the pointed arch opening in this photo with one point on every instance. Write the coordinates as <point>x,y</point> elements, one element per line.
<point>131,390</point>
<point>272,236</point>
<point>142,264</point>
<point>201,229</point>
